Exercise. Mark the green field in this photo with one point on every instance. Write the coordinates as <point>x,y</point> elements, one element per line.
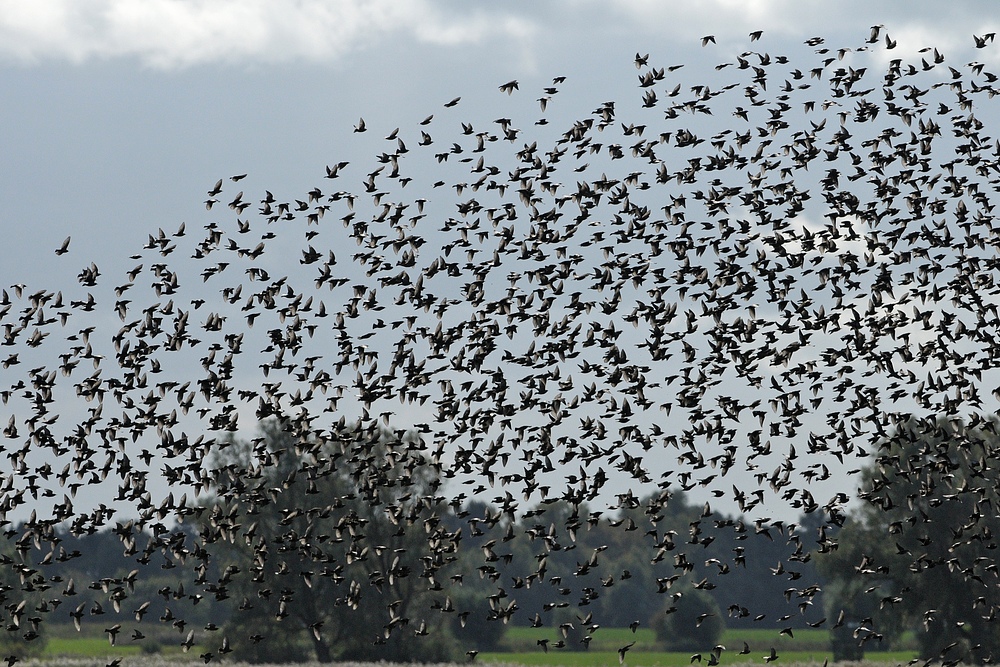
<point>89,647</point>
<point>92,647</point>
<point>663,659</point>
<point>520,648</point>
<point>63,641</point>
<point>809,646</point>
<point>524,640</point>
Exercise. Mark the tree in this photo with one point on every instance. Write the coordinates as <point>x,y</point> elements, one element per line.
<point>348,568</point>
<point>921,548</point>
<point>690,621</point>
<point>22,633</point>
<point>859,604</point>
<point>475,625</point>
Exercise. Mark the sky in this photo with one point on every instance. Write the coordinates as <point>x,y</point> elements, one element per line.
<point>119,115</point>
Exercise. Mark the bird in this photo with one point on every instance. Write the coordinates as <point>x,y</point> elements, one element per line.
<point>801,282</point>
<point>77,615</point>
<point>623,650</point>
<point>981,42</point>
<point>113,633</point>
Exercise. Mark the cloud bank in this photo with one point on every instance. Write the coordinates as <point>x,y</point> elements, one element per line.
<point>171,34</point>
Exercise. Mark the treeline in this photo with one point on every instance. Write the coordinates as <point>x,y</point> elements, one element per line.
<point>307,558</point>
<point>559,566</point>
<point>622,567</point>
<point>362,580</point>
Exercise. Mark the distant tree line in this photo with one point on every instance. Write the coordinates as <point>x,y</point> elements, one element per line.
<point>304,567</point>
<point>345,577</point>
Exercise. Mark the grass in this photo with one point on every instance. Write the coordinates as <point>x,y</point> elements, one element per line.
<point>89,647</point>
<point>63,641</point>
<point>808,647</point>
<point>520,639</point>
<point>523,640</point>
<point>556,658</point>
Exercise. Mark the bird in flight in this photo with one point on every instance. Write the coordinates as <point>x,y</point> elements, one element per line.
<point>493,339</point>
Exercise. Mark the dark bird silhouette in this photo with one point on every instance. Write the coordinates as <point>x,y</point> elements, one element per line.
<point>741,297</point>
<point>623,650</point>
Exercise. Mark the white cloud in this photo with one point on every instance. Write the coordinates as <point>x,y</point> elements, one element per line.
<point>910,22</point>
<point>178,33</point>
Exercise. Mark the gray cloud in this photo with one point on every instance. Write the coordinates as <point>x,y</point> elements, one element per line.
<point>178,33</point>
<point>171,34</point>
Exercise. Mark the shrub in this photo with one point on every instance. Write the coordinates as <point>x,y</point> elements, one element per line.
<point>151,646</point>
<point>482,631</point>
<point>691,621</point>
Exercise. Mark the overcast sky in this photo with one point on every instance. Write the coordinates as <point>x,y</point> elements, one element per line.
<point>118,115</point>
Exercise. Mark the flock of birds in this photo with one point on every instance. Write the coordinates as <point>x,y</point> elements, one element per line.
<point>738,289</point>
